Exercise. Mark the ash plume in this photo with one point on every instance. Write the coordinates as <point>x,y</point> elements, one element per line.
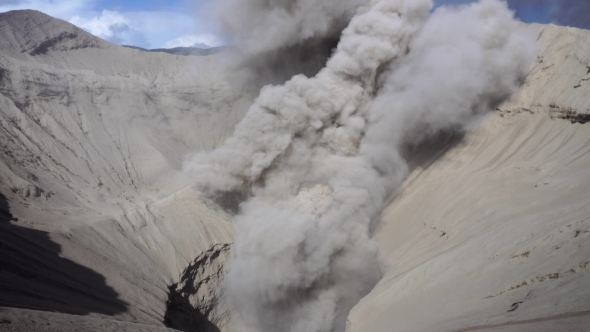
<point>320,156</point>
<point>278,39</point>
<point>263,25</point>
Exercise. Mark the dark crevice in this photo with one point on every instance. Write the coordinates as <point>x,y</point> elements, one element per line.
<point>52,43</point>
<point>577,118</point>
<point>46,45</point>
<point>181,315</point>
<point>569,114</point>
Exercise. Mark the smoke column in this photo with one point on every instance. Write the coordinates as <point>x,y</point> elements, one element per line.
<point>320,156</point>
<point>280,38</point>
<point>263,25</point>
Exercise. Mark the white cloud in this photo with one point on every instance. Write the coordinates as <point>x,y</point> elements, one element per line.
<point>109,25</point>
<point>202,41</point>
<point>146,29</point>
<point>162,27</point>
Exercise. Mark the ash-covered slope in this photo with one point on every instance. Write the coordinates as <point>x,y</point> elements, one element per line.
<point>30,32</point>
<point>92,136</point>
<point>493,235</point>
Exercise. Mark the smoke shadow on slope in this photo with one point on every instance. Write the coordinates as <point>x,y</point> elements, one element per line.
<point>34,276</point>
<point>422,154</point>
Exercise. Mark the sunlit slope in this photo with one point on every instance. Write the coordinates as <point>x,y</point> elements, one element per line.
<point>494,235</point>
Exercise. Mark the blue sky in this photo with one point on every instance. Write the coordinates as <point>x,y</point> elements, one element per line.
<point>172,23</point>
<point>575,13</point>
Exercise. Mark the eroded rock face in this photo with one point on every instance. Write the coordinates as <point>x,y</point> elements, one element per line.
<point>196,302</point>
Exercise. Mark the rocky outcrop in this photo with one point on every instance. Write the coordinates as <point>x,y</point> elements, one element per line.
<point>196,303</point>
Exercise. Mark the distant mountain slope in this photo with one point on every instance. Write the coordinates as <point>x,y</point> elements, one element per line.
<point>185,50</point>
<point>34,33</point>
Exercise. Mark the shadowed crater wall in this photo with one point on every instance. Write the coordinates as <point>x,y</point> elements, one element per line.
<point>34,276</point>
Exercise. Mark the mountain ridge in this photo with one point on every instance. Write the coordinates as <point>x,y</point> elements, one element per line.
<point>185,50</point>
<point>36,33</point>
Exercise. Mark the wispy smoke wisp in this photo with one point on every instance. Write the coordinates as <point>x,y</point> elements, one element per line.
<point>321,155</point>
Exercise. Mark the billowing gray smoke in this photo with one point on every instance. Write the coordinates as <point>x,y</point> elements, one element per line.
<point>277,39</point>
<point>320,155</point>
<point>267,25</point>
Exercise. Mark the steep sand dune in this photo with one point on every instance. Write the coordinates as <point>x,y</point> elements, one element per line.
<point>494,234</point>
